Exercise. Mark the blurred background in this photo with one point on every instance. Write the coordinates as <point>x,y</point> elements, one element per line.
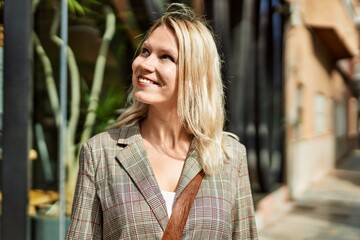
<point>292,80</point>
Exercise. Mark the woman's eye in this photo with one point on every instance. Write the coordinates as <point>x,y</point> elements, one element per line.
<point>145,52</point>
<point>167,57</point>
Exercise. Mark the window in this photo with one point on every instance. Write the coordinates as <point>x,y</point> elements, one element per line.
<point>299,109</point>
<point>320,113</point>
<point>340,119</point>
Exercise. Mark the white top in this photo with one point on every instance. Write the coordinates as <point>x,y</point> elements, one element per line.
<point>169,199</point>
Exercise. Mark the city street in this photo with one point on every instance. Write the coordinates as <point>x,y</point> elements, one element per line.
<point>329,210</point>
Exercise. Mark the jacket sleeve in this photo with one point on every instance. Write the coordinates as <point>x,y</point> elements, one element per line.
<point>86,217</point>
<point>244,226</point>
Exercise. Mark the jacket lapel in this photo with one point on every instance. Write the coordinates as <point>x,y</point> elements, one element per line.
<point>134,160</point>
<point>191,168</point>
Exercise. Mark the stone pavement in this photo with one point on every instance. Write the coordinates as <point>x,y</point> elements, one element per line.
<point>328,210</point>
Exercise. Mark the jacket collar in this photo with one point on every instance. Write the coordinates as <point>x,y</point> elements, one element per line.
<point>133,158</point>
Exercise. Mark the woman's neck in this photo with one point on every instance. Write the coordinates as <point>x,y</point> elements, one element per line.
<point>165,131</point>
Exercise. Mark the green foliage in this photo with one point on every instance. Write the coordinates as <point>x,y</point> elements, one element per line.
<point>106,112</point>
<point>113,99</point>
<point>83,8</point>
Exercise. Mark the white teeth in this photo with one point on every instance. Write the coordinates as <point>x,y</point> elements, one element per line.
<point>146,81</point>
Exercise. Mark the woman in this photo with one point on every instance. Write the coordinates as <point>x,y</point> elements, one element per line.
<point>131,175</point>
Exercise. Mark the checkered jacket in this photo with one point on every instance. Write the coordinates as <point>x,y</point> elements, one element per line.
<point>117,196</point>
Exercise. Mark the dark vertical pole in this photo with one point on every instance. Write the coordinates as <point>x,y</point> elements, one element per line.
<point>263,106</point>
<point>277,141</point>
<point>153,9</point>
<point>221,25</point>
<point>17,110</point>
<point>218,11</point>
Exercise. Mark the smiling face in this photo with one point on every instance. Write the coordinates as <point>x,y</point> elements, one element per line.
<point>155,69</point>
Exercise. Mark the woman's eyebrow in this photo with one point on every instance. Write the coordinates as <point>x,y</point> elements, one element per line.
<point>145,44</point>
<point>168,50</point>
<point>162,49</point>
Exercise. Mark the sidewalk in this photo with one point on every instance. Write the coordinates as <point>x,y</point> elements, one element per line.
<point>329,210</point>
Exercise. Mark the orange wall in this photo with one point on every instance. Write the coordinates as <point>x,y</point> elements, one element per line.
<point>310,64</point>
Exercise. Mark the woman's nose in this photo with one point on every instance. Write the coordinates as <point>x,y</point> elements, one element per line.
<point>148,63</point>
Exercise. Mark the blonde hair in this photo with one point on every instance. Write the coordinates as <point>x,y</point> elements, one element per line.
<point>200,103</point>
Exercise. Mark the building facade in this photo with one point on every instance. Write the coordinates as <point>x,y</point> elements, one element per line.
<point>321,101</point>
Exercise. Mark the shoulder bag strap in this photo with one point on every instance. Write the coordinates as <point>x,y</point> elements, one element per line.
<point>176,224</point>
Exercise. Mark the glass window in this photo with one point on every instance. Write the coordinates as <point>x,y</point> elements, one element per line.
<point>340,123</point>
<point>299,110</point>
<point>320,113</point>
<point>102,39</point>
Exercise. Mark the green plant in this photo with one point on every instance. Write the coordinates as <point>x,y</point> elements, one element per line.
<point>73,129</point>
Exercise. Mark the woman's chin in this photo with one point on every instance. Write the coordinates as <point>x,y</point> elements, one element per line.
<point>141,98</point>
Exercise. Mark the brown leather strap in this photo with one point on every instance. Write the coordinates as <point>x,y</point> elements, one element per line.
<point>181,209</point>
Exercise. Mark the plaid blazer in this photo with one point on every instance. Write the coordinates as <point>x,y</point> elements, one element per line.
<point>117,195</point>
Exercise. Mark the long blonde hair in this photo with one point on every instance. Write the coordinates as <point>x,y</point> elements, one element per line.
<point>200,90</point>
